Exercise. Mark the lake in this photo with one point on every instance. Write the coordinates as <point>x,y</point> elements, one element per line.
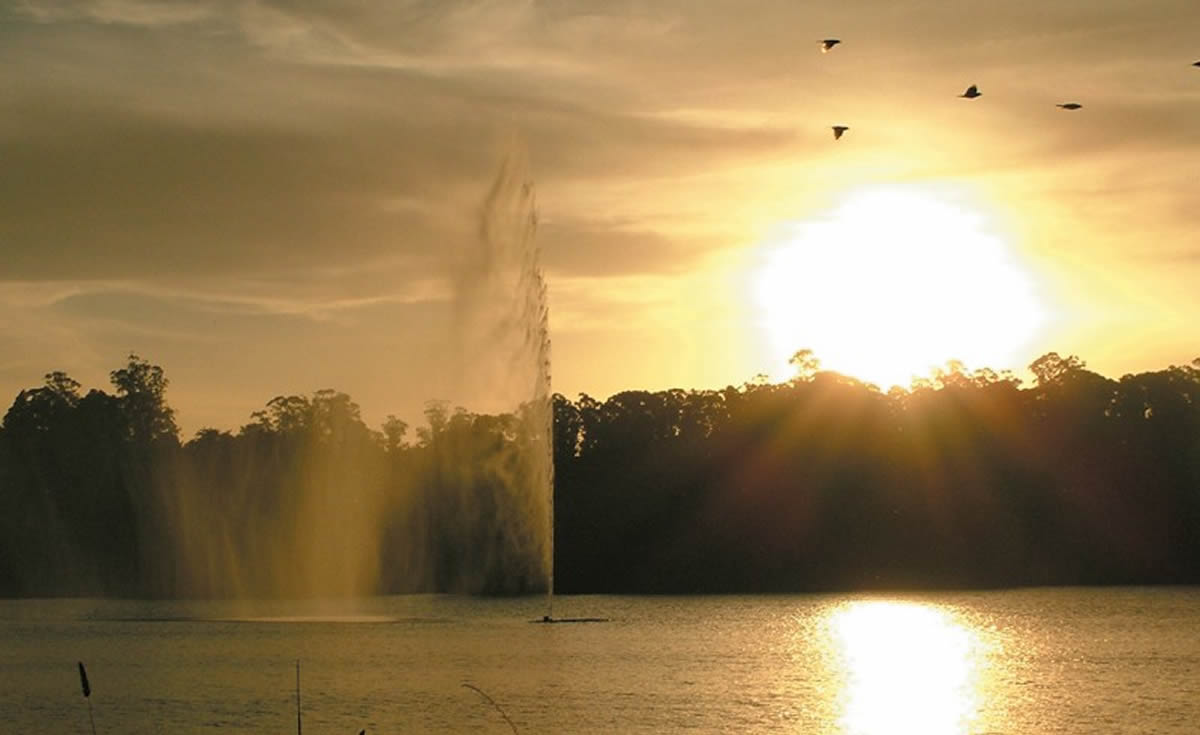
<point>1122,660</point>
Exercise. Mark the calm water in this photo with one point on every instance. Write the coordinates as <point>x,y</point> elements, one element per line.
<point>1030,661</point>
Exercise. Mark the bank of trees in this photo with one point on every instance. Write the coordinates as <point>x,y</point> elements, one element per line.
<point>826,483</point>
<point>99,496</point>
<point>822,482</point>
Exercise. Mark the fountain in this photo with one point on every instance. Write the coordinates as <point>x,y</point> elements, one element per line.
<point>309,508</point>
<point>306,502</point>
<point>502,320</point>
<point>503,312</point>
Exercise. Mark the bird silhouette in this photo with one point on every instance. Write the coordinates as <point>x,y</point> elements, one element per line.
<point>838,130</point>
<point>827,44</point>
<point>1069,105</point>
<point>971,93</point>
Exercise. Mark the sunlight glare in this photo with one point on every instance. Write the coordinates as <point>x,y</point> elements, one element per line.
<point>892,282</point>
<point>909,669</point>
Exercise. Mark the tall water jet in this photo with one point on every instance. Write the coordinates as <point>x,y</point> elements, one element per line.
<point>502,320</point>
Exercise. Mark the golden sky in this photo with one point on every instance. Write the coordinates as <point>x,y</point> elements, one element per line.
<point>264,197</point>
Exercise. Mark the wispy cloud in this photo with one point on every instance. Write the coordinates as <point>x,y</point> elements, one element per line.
<point>145,13</point>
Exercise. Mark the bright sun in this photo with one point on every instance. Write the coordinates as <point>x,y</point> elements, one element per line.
<point>894,281</point>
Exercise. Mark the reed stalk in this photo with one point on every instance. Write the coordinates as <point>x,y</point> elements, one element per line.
<point>298,722</point>
<point>87,695</point>
<point>492,702</point>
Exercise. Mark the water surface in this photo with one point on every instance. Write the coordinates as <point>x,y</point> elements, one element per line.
<point>1027,661</point>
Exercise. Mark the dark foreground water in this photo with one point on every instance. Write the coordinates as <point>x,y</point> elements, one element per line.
<point>1028,661</point>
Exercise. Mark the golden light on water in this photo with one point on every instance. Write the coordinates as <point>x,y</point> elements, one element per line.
<point>908,669</point>
<point>894,281</point>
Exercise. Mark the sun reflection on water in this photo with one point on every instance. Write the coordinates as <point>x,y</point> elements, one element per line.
<point>908,668</point>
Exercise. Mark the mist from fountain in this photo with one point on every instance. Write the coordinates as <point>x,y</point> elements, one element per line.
<point>319,513</point>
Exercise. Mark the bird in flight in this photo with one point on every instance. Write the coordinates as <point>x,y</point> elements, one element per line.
<point>838,130</point>
<point>971,93</point>
<point>1069,105</point>
<point>827,44</point>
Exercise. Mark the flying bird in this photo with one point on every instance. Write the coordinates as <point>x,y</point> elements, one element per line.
<point>838,130</point>
<point>827,44</point>
<point>971,93</point>
<point>1069,105</point>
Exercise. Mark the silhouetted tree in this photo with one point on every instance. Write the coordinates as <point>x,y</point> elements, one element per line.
<point>141,391</point>
<point>394,431</point>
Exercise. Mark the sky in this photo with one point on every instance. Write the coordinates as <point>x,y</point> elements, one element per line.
<point>270,198</point>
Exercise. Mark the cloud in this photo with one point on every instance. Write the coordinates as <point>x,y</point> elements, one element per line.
<point>143,13</point>
<point>290,136</point>
<point>212,162</point>
<point>609,248</point>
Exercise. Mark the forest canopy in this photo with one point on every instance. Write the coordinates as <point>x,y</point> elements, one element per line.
<point>968,479</point>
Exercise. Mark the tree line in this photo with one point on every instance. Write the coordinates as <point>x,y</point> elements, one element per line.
<point>826,483</point>
<point>100,497</point>
<point>967,479</point>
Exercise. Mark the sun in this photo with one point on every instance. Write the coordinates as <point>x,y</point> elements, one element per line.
<point>893,281</point>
